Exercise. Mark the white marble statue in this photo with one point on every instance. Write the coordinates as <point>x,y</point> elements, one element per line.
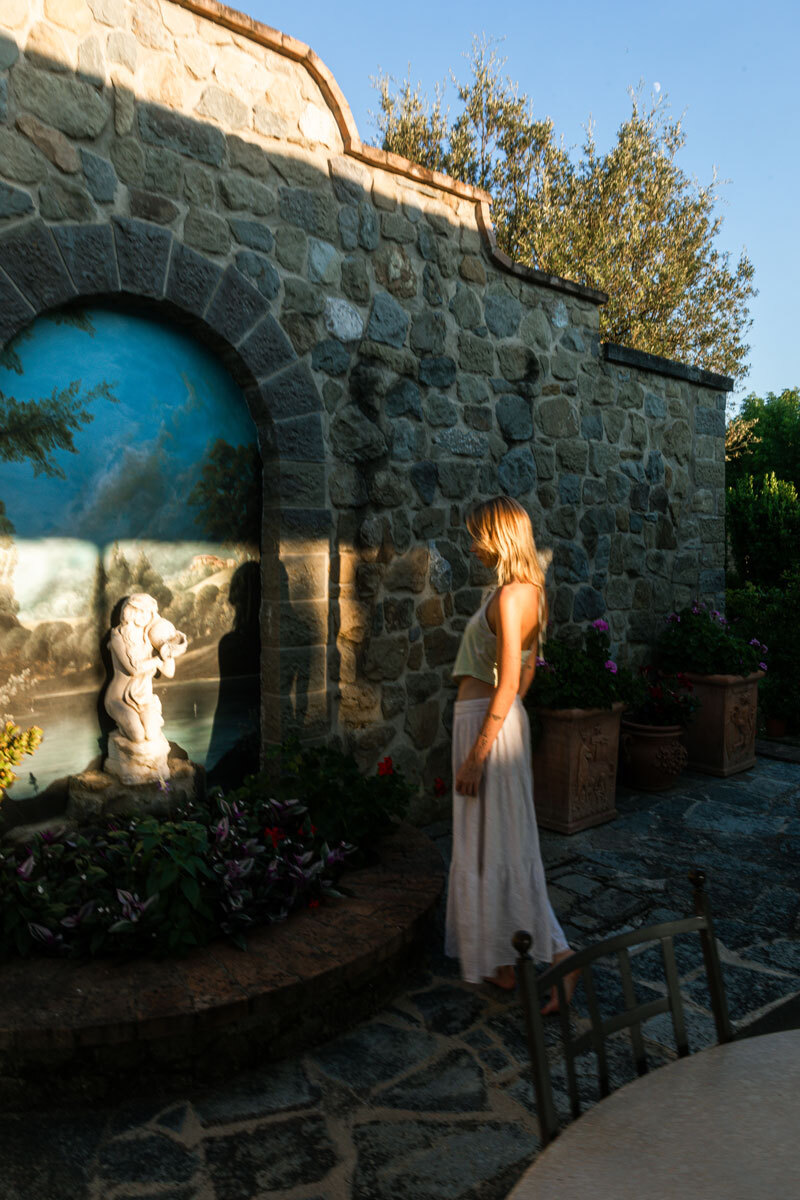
<point>142,646</point>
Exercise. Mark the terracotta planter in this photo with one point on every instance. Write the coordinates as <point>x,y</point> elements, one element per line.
<point>652,756</point>
<point>575,767</point>
<point>721,739</point>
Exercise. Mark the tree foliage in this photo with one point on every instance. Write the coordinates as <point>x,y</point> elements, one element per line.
<point>764,438</point>
<point>629,221</point>
<point>228,494</point>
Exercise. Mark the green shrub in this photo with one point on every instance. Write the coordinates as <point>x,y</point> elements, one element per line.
<point>763,527</point>
<point>162,887</point>
<point>772,615</point>
<point>660,699</point>
<point>343,803</point>
<point>578,676</point>
<point>701,640</point>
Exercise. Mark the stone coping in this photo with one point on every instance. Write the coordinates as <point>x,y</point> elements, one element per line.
<point>625,356</point>
<point>300,981</point>
<point>385,160</point>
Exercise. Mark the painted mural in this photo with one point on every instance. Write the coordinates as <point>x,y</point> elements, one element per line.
<point>128,463</point>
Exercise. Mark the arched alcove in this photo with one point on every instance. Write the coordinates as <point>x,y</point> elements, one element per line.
<point>132,271</point>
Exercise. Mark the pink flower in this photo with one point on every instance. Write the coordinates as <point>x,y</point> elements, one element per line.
<point>600,624</point>
<point>610,666</point>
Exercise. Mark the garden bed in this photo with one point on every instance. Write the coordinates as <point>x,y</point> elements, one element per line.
<point>75,1026</point>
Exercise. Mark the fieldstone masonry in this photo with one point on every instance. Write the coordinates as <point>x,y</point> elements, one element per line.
<point>397,365</point>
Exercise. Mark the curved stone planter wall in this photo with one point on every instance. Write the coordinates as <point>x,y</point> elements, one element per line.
<point>219,1008</point>
<point>174,154</point>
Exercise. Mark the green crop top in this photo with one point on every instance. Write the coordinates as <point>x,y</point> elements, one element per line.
<point>477,654</point>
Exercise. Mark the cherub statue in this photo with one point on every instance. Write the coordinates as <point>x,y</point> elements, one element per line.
<point>142,646</point>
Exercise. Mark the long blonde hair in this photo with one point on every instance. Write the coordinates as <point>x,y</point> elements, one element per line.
<point>502,529</point>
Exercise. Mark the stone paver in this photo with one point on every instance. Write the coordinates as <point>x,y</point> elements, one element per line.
<point>431,1099</point>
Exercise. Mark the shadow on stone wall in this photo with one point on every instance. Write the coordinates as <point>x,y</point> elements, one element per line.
<point>394,373</point>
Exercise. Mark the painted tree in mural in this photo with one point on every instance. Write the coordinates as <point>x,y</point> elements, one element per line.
<point>628,221</point>
<point>33,431</point>
<point>228,494</point>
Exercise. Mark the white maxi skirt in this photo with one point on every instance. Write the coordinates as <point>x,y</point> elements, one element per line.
<point>497,883</point>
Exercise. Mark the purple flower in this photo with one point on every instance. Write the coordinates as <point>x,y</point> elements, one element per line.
<point>611,666</point>
<point>763,666</point>
<point>755,642</point>
<point>25,869</point>
<point>600,625</point>
<point>541,662</point>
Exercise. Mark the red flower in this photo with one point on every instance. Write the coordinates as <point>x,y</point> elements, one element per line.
<point>275,835</point>
<point>439,787</point>
<point>313,904</point>
<point>313,829</point>
<point>385,766</point>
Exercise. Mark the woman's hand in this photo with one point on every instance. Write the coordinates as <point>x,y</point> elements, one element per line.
<point>468,776</point>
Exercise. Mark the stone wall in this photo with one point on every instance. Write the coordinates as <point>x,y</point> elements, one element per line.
<point>397,366</point>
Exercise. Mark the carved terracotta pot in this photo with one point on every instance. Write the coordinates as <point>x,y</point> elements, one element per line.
<point>575,767</point>
<point>721,739</point>
<point>653,756</point>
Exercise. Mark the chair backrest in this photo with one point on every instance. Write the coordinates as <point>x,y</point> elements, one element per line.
<point>534,988</point>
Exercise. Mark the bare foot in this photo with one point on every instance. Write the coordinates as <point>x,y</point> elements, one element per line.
<point>570,983</point>
<point>504,978</point>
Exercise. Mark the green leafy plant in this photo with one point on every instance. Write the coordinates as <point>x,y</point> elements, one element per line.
<point>578,676</point>
<point>344,804</point>
<point>660,699</point>
<point>771,615</point>
<point>220,868</point>
<point>15,743</point>
<point>763,526</point>
<point>700,640</point>
<point>162,887</point>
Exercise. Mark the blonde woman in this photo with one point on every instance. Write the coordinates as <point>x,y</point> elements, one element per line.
<point>497,883</point>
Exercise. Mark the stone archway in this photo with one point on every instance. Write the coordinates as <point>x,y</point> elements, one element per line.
<point>43,268</point>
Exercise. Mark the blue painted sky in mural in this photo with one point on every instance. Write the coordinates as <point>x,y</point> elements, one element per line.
<point>146,448</point>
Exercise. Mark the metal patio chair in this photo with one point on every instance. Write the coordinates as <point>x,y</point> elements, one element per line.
<point>535,988</point>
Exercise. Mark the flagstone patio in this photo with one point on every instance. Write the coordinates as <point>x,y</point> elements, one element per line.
<point>430,1099</point>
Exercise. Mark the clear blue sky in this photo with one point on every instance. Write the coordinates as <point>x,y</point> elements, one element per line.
<point>731,67</point>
